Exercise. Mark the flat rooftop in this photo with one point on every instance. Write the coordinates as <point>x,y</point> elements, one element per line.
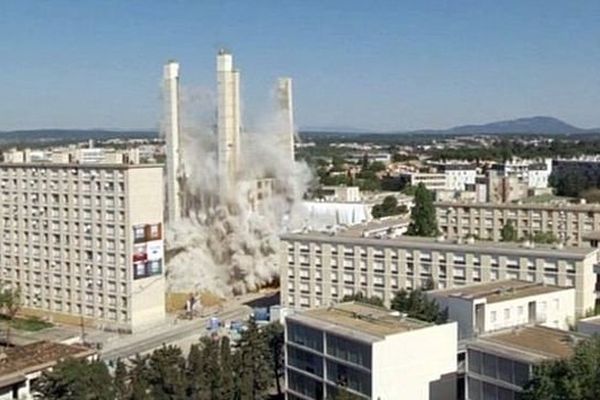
<point>530,344</point>
<point>429,244</point>
<point>358,320</point>
<point>527,206</point>
<point>498,291</point>
<point>21,360</point>
<point>78,165</point>
<point>375,226</point>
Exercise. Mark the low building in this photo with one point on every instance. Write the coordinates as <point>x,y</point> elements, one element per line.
<point>492,306</point>
<point>370,353</point>
<point>21,365</point>
<point>567,222</point>
<point>341,193</point>
<point>320,269</point>
<point>431,180</point>
<point>499,365</point>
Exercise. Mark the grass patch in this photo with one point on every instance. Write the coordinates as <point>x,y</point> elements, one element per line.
<point>30,324</point>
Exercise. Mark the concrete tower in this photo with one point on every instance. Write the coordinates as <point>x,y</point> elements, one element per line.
<point>228,121</point>
<point>171,120</point>
<point>286,108</point>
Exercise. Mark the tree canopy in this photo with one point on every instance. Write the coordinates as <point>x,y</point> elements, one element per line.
<point>577,378</point>
<point>416,305</point>
<point>389,206</point>
<point>423,220</point>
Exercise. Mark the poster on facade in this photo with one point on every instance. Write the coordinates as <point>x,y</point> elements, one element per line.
<point>140,252</point>
<point>154,250</point>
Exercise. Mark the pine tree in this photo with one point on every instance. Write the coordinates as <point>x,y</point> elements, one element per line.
<point>256,374</point>
<point>73,379</point>
<point>166,374</point>
<point>120,381</point>
<point>423,220</point>
<point>210,356</point>
<point>139,387</point>
<point>228,389</point>
<point>275,339</point>
<point>196,379</point>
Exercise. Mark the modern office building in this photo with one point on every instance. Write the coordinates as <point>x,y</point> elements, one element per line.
<point>567,222</point>
<point>499,365</point>
<point>368,352</point>
<point>84,242</point>
<point>320,269</point>
<point>486,307</point>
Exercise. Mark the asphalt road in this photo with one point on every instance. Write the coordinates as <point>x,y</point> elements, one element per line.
<point>178,332</point>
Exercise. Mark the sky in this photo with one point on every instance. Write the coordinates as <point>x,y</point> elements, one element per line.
<point>378,65</point>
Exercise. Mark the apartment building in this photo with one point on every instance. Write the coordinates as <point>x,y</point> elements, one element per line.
<point>320,269</point>
<point>499,365</point>
<point>84,243</point>
<point>369,353</point>
<point>486,307</point>
<point>567,222</point>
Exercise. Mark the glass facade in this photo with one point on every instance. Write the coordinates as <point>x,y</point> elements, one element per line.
<point>349,350</point>
<point>305,336</point>
<point>508,373</point>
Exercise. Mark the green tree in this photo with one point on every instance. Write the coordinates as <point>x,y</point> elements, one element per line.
<point>255,370</point>
<point>74,379</point>
<point>166,374</point>
<point>120,381</point>
<point>389,206</point>
<point>228,389</point>
<point>577,378</point>
<point>212,369</point>
<point>423,220</point>
<point>361,298</point>
<point>275,339</point>
<point>508,233</point>
<point>10,304</point>
<point>416,305</point>
<point>139,386</point>
<point>196,377</point>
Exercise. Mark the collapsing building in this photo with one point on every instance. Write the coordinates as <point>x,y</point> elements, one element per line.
<point>228,192</point>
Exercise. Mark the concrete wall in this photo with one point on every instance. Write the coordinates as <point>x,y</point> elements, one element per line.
<point>407,365</point>
<point>145,207</point>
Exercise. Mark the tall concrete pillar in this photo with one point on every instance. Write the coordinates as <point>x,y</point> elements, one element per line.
<point>171,126</point>
<point>228,121</point>
<point>286,108</point>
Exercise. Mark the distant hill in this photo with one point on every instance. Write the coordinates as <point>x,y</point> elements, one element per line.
<point>40,136</point>
<point>531,125</point>
<point>538,125</point>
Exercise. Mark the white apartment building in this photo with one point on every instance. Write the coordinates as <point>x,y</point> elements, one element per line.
<point>431,180</point>
<point>459,176</point>
<point>499,365</point>
<point>370,353</point>
<point>567,222</point>
<point>84,243</point>
<point>320,269</point>
<point>486,307</point>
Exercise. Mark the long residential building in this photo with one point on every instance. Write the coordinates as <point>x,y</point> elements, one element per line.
<point>568,222</point>
<point>320,269</point>
<point>84,242</point>
<point>369,353</point>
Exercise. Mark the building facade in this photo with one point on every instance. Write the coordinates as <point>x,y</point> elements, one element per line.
<point>368,353</point>
<point>568,223</point>
<point>499,365</point>
<point>493,306</point>
<point>84,243</point>
<point>320,269</point>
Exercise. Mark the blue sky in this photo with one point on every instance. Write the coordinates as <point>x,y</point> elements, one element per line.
<point>378,64</point>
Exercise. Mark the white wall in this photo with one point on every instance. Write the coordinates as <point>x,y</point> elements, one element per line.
<point>406,364</point>
<point>552,316</point>
<point>146,207</point>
